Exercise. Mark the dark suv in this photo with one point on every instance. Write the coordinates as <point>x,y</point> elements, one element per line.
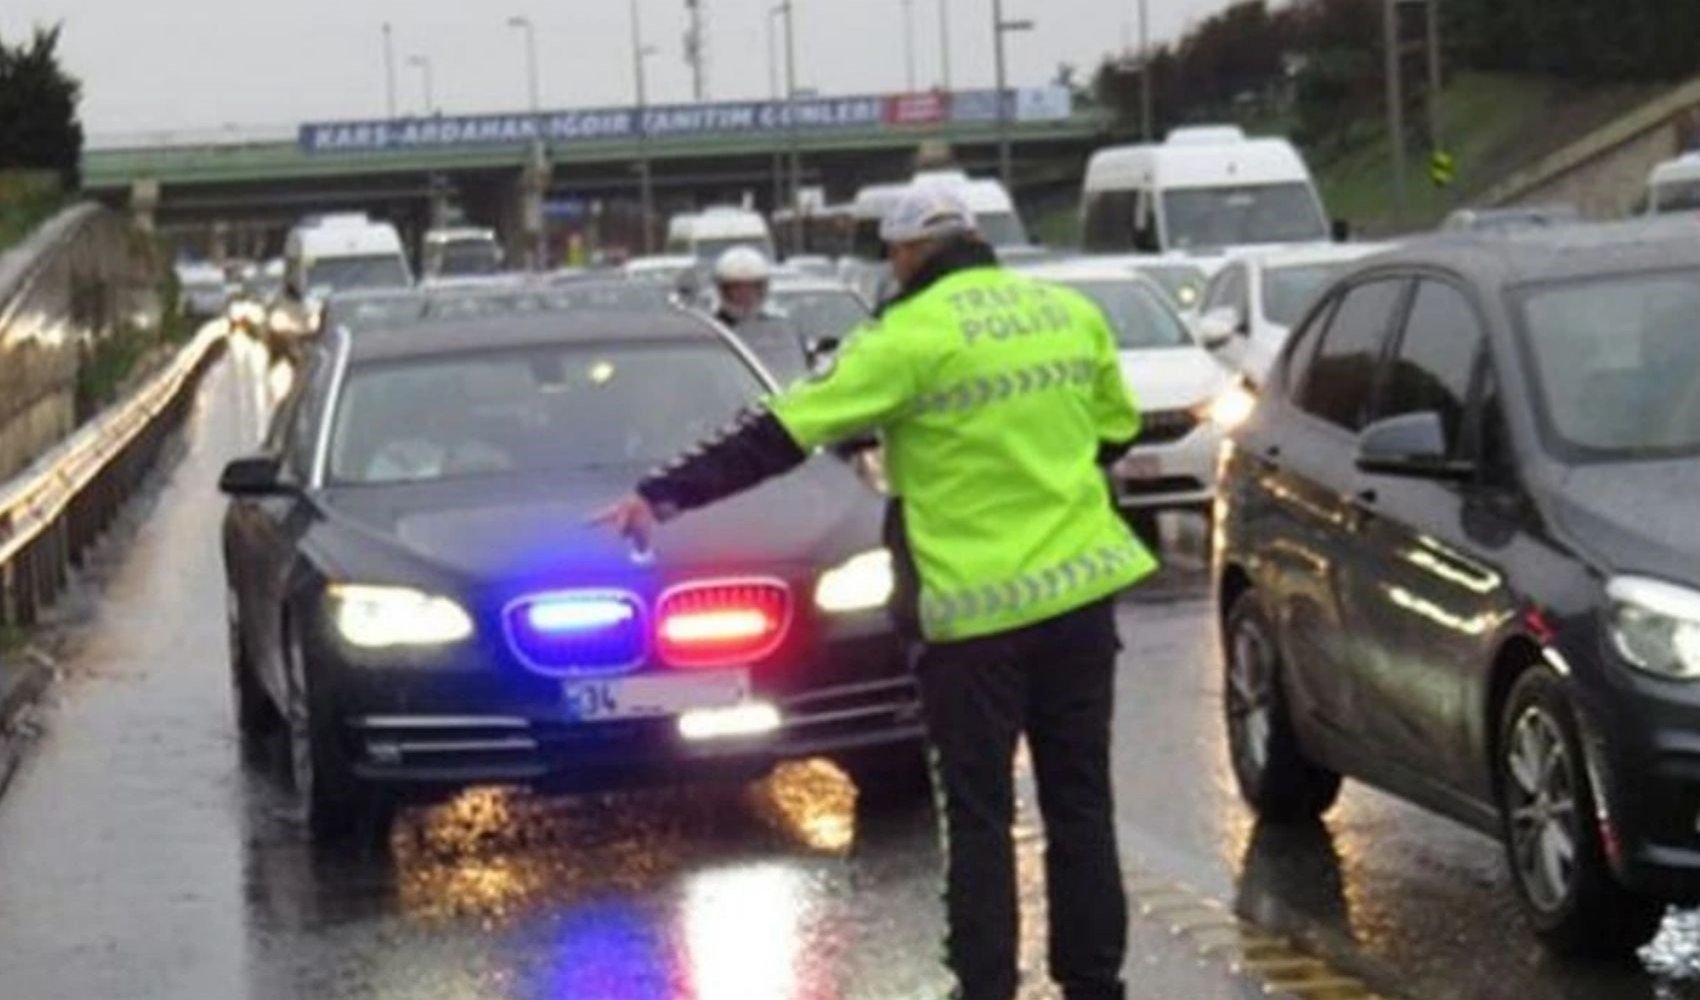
<point>1461,561</point>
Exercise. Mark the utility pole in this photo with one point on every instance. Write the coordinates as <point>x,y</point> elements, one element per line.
<point>944,44</point>
<point>791,115</point>
<point>524,24</point>
<point>646,184</point>
<point>773,93</point>
<point>908,45</point>
<point>1000,28</point>
<point>696,50</point>
<point>1430,83</point>
<point>389,70</point>
<point>1145,70</point>
<point>1395,107</point>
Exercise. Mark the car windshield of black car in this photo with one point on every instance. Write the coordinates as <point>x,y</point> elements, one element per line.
<point>532,410</point>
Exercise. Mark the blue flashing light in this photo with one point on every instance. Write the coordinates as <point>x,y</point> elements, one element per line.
<point>578,614</point>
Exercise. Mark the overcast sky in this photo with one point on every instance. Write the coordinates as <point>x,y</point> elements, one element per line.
<point>200,64</point>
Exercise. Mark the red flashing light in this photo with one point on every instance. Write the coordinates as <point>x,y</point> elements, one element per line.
<point>722,622</point>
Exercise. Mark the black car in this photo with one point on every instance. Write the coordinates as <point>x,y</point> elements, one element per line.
<point>418,603</point>
<point>1460,560</point>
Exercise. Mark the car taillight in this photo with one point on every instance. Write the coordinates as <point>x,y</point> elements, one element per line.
<point>717,623</point>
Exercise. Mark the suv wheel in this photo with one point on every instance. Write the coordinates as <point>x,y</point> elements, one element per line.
<point>1546,804</point>
<point>1274,776</point>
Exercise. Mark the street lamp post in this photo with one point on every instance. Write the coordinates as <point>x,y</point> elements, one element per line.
<point>1000,28</point>
<point>773,91</point>
<point>524,24</point>
<point>944,44</point>
<point>646,182</point>
<point>1145,122</point>
<point>791,123</point>
<point>389,70</point>
<point>423,65</point>
<point>909,45</point>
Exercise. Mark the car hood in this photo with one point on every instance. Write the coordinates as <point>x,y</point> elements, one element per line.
<point>1635,517</point>
<point>518,535</point>
<point>1172,378</point>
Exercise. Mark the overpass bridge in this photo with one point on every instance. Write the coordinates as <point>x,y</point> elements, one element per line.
<point>580,171</point>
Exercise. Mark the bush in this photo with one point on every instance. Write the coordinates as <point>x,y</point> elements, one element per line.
<point>27,199</point>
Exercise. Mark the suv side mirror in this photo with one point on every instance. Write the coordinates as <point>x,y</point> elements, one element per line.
<point>254,476</point>
<point>1412,445</point>
<point>1341,230</point>
<point>1219,326</point>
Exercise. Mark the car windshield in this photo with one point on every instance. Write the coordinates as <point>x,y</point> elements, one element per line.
<point>778,345</point>
<point>1199,218</point>
<point>1183,283</point>
<point>373,313</point>
<point>1677,196</point>
<point>1141,319</point>
<point>369,271</point>
<point>822,315</point>
<point>1618,362</point>
<point>549,408</point>
<point>1001,229</point>
<point>1288,290</point>
<point>468,257</point>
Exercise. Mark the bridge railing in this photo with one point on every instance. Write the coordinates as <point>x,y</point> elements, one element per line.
<point>54,510</point>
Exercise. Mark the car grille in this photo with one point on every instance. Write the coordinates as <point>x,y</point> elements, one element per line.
<point>578,633</point>
<point>1164,426</point>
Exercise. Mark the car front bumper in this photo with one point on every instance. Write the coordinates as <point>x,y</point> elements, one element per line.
<point>1643,735</point>
<point>448,726</point>
<point>1174,475</point>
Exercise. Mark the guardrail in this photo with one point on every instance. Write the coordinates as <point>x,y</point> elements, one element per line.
<point>60,504</point>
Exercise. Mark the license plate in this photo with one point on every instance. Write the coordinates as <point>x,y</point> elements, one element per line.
<point>1141,467</point>
<point>652,696</point>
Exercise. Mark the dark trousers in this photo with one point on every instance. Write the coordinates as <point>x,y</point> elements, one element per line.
<point>1054,681</point>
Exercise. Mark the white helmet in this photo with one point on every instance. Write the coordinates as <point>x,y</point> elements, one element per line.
<point>742,264</point>
<point>925,212</point>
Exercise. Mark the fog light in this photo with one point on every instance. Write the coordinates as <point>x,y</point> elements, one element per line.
<point>752,719</point>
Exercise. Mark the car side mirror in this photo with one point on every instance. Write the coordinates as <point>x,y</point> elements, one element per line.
<point>823,347</point>
<point>1412,445</point>
<point>255,476</point>
<point>1218,327</point>
<point>1341,230</point>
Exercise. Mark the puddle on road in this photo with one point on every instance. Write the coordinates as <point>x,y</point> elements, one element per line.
<point>496,852</point>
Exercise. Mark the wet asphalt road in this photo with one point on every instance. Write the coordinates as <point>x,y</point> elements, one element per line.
<point>139,858</point>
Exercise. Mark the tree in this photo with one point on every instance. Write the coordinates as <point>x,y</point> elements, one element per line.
<point>39,127</point>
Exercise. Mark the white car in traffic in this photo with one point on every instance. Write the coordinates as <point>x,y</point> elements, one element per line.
<point>1253,302</point>
<point>1186,398</point>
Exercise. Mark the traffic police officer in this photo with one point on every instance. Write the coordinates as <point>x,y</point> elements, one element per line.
<point>741,277</point>
<point>998,398</point>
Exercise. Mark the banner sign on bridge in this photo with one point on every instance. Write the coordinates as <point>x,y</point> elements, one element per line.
<point>683,120</point>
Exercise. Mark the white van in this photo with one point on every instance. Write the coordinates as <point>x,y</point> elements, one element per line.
<point>1205,190</point>
<point>461,252</point>
<point>1674,185</point>
<point>709,233</point>
<point>335,253</point>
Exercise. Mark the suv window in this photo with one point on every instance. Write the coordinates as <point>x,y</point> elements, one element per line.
<point>1436,358</point>
<point>1340,379</point>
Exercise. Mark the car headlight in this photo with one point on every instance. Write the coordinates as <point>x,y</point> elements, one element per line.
<point>1656,626</point>
<point>1231,408</point>
<point>372,617</point>
<point>860,584</point>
